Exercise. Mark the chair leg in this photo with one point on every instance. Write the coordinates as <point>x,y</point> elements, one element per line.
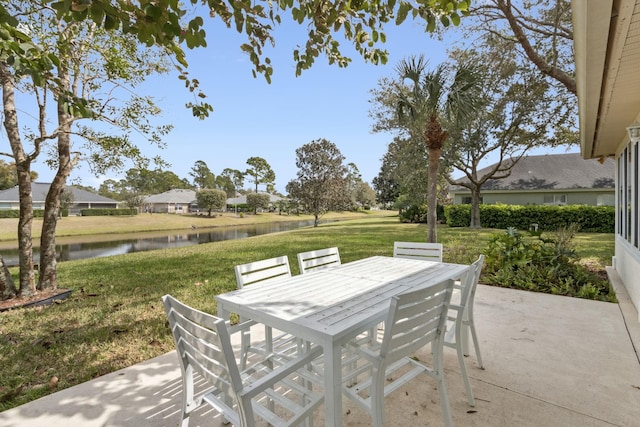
<point>463,370</point>
<point>188,403</point>
<point>442,388</point>
<point>245,342</point>
<point>268,348</point>
<point>476,345</point>
<point>460,337</point>
<point>377,397</point>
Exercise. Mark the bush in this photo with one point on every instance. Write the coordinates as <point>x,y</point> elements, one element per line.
<point>591,219</point>
<point>37,213</point>
<point>11,213</point>
<point>108,212</point>
<point>540,264</point>
<point>418,214</point>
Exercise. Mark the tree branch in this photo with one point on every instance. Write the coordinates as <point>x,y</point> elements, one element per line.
<point>566,79</point>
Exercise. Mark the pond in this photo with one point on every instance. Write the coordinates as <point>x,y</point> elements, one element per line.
<point>81,247</point>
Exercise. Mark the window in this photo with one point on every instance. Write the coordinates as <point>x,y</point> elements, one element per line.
<point>621,187</point>
<point>606,199</point>
<point>555,199</point>
<point>466,200</point>
<point>629,195</point>
<point>633,209</point>
<point>628,199</point>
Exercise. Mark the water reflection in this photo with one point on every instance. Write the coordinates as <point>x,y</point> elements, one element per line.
<point>140,242</point>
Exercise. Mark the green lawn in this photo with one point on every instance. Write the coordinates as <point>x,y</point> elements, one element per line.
<point>114,317</point>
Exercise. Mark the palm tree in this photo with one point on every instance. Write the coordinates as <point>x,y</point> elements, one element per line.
<point>432,99</point>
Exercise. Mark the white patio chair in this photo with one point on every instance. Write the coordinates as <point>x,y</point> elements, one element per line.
<point>418,250</point>
<point>261,272</point>
<point>278,390</point>
<point>318,259</point>
<point>460,322</point>
<point>415,319</point>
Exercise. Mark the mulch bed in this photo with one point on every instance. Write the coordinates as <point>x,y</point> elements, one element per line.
<point>38,299</point>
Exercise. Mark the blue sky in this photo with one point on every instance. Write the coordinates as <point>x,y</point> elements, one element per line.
<point>253,118</point>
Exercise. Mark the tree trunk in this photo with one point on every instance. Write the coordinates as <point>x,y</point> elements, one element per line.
<point>7,287</point>
<point>48,263</point>
<point>475,207</point>
<point>23,170</point>
<point>25,243</point>
<point>432,197</point>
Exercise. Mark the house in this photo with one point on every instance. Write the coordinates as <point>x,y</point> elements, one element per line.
<point>181,201</point>
<point>178,201</point>
<point>82,199</point>
<point>607,54</point>
<point>560,179</point>
<point>242,200</point>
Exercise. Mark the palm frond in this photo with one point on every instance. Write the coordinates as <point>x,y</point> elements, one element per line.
<point>412,68</point>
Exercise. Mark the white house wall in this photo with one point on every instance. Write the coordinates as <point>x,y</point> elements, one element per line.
<point>627,264</point>
<point>627,247</point>
<point>607,57</point>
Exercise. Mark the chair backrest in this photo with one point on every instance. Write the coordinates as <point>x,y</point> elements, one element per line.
<point>260,271</point>
<point>418,250</point>
<point>318,259</point>
<point>470,285</point>
<point>415,319</point>
<point>204,346</point>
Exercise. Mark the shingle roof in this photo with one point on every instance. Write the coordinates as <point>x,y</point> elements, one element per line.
<point>243,199</point>
<point>39,192</point>
<point>552,171</point>
<point>173,196</point>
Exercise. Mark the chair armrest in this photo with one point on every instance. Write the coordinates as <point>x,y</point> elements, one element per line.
<point>240,327</point>
<point>255,388</point>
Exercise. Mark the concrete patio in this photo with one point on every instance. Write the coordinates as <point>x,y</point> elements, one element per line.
<point>550,361</point>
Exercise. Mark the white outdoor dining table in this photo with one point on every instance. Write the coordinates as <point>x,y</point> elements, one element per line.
<point>333,305</point>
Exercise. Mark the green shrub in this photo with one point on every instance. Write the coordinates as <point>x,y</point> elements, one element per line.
<point>418,214</point>
<point>108,212</point>
<point>10,213</point>
<point>37,213</point>
<point>592,219</point>
<point>542,264</point>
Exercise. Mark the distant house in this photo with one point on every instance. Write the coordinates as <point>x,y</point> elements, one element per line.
<point>560,179</point>
<point>242,200</point>
<point>173,201</point>
<point>82,199</point>
<point>184,201</point>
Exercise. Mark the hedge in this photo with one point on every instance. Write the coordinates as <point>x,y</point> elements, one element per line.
<point>37,213</point>
<point>108,212</point>
<point>591,219</point>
